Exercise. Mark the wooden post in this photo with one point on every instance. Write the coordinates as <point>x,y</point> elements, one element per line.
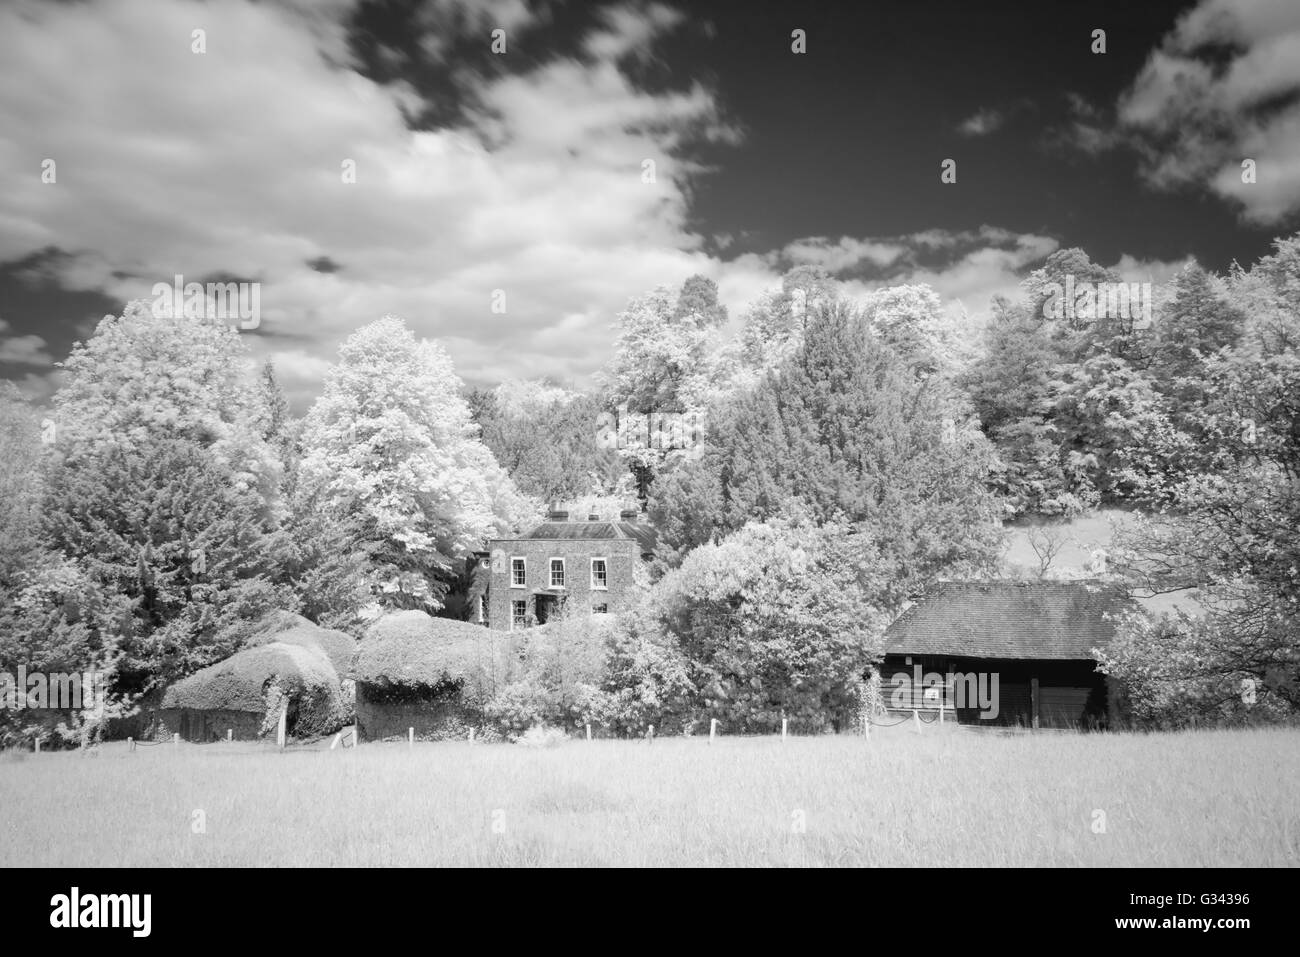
<point>941,712</point>
<point>916,720</point>
<point>410,738</point>
<point>337,738</point>
<point>1033,701</point>
<point>38,744</point>
<point>866,726</point>
<point>230,735</point>
<point>784,724</point>
<point>282,727</point>
<point>176,740</point>
<point>650,736</point>
<point>471,735</point>
<point>713,729</point>
<point>588,730</point>
<point>130,744</point>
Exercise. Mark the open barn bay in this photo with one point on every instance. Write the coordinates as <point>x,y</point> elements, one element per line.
<point>1216,798</point>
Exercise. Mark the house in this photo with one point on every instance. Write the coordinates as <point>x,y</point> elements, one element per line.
<point>563,564</point>
<point>1005,653</point>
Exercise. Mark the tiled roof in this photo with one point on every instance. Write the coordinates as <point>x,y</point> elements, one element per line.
<point>593,531</point>
<point>1009,619</point>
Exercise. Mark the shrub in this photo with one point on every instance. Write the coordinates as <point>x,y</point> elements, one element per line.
<point>258,679</point>
<point>411,653</point>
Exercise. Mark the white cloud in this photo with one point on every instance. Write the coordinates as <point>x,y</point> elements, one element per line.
<point>1195,120</point>
<point>229,162</point>
<point>982,122</point>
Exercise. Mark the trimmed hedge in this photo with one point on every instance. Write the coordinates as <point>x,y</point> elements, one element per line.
<point>257,679</point>
<point>339,647</point>
<point>409,653</point>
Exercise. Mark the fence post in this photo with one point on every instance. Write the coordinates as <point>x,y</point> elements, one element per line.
<point>410,738</point>
<point>282,726</point>
<point>650,736</point>
<point>38,744</point>
<point>230,735</point>
<point>916,720</point>
<point>130,744</point>
<point>176,740</point>
<point>588,730</point>
<point>941,712</point>
<point>335,743</point>
<point>713,729</point>
<point>783,728</point>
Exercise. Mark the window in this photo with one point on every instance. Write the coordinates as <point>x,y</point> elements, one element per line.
<point>599,574</point>
<point>518,573</point>
<point>518,613</point>
<point>601,609</point>
<point>557,572</point>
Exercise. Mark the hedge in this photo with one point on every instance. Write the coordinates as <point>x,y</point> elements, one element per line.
<point>410,652</point>
<point>256,679</point>
<point>338,646</point>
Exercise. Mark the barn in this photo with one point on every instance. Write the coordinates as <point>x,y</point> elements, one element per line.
<point>1005,653</point>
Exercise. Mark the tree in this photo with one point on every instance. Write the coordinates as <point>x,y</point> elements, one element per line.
<point>778,619</point>
<point>390,439</point>
<point>169,527</point>
<point>846,431</point>
<point>20,487</point>
<point>142,376</point>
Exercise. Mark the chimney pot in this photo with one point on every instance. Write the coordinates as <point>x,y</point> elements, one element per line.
<point>628,514</point>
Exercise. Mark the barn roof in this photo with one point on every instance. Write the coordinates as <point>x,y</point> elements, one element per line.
<point>1010,619</point>
<point>592,531</point>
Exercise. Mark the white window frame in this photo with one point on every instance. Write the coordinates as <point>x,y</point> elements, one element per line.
<point>594,586</point>
<point>550,572</point>
<point>518,558</point>
<point>513,601</point>
<point>603,604</point>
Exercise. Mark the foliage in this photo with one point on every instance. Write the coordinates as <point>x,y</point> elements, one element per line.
<point>778,619</point>
<point>259,679</point>
<point>390,440</point>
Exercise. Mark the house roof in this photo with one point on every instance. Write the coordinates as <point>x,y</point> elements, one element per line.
<point>592,531</point>
<point>1010,619</point>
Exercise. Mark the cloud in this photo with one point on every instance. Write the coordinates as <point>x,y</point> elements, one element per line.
<point>1223,87</point>
<point>229,162</point>
<point>982,122</point>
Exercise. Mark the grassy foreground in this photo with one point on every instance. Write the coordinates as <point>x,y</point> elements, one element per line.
<point>1198,798</point>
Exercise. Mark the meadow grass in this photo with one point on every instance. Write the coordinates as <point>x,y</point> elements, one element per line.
<point>1214,798</point>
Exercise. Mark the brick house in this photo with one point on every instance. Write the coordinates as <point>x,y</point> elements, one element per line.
<point>560,563</point>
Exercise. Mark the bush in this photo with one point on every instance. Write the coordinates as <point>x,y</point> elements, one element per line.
<point>258,679</point>
<point>409,653</point>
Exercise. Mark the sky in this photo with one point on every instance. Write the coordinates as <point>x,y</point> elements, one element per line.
<point>220,155</point>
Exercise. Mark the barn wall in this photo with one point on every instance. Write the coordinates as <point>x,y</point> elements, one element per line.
<point>202,725</point>
<point>1071,694</point>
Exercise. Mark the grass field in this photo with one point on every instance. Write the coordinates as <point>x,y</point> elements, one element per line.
<point>954,798</point>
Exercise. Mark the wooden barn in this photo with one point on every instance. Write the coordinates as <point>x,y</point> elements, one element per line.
<point>1005,653</point>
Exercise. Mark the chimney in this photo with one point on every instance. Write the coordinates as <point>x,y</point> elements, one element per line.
<point>629,514</point>
<point>593,517</point>
<point>558,515</point>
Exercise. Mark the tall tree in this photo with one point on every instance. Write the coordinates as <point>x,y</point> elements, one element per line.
<point>390,439</point>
